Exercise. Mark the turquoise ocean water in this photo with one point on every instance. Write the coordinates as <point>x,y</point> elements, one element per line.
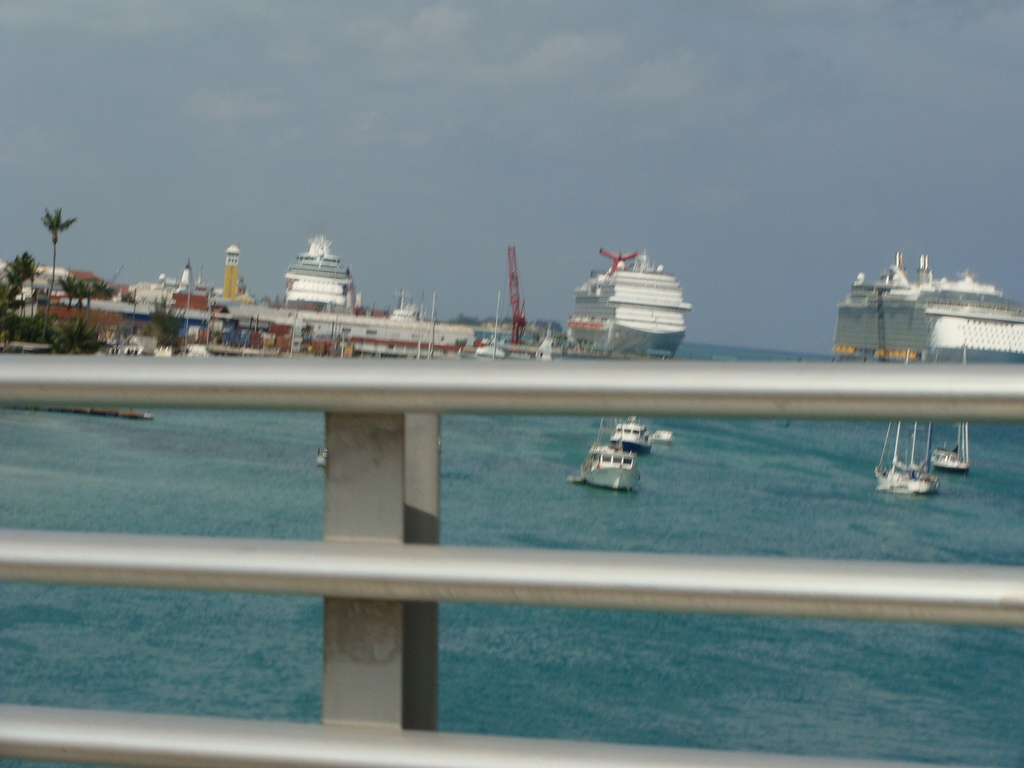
<point>917,692</point>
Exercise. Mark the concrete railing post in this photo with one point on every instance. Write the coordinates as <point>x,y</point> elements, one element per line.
<point>380,657</point>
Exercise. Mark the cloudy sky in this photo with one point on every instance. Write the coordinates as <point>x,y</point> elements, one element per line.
<point>764,152</point>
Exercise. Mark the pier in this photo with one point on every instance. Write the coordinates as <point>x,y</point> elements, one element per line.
<point>120,413</point>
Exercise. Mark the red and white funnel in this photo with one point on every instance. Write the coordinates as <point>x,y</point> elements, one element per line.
<point>618,258</point>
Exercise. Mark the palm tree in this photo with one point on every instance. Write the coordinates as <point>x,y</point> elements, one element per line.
<point>134,299</point>
<point>7,294</point>
<point>96,289</point>
<point>56,224</point>
<point>75,337</point>
<point>20,270</point>
<point>165,323</point>
<point>74,289</point>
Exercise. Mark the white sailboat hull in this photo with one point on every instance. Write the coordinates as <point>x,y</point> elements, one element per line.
<point>956,459</point>
<point>906,482</point>
<point>950,461</point>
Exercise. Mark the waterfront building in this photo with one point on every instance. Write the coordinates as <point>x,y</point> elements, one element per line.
<point>289,331</point>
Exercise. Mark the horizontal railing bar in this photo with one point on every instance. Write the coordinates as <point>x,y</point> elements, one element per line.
<point>683,388</point>
<point>838,589</point>
<point>177,741</point>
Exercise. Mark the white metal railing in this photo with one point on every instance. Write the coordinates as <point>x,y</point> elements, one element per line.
<point>729,390</point>
<point>838,589</point>
<point>381,572</point>
<point>122,738</point>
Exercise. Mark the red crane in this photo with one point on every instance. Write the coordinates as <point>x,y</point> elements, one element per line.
<point>514,299</point>
<point>618,258</point>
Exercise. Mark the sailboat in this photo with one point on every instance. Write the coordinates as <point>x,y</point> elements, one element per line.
<point>958,458</point>
<point>900,472</point>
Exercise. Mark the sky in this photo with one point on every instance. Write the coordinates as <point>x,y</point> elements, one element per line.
<point>764,152</point>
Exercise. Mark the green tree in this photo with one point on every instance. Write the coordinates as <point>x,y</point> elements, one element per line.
<point>165,324</point>
<point>75,337</point>
<point>7,294</point>
<point>134,299</point>
<point>96,289</point>
<point>22,269</point>
<point>74,289</point>
<point>56,223</point>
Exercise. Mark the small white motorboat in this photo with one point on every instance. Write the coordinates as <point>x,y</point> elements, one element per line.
<point>631,436</point>
<point>489,351</point>
<point>321,456</point>
<point>662,437</point>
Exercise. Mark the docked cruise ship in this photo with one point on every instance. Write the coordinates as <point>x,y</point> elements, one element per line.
<point>633,308</point>
<point>928,319</point>
<point>317,280</point>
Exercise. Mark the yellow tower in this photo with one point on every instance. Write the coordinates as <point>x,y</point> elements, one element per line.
<point>231,272</point>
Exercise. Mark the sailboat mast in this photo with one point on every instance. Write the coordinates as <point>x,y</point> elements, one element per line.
<point>963,447</point>
<point>896,444</point>
<point>885,445</point>
<point>913,445</point>
<point>928,450</point>
<point>497,309</point>
<point>433,324</point>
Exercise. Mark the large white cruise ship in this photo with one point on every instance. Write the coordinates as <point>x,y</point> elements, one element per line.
<point>633,308</point>
<point>928,319</point>
<point>316,280</point>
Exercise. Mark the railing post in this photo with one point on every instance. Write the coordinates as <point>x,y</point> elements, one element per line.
<point>380,657</point>
<point>422,526</point>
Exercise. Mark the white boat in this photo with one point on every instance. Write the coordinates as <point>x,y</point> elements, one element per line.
<point>321,456</point>
<point>544,350</point>
<point>317,279</point>
<point>405,310</point>
<point>957,458</point>
<point>490,352</point>
<point>631,436</point>
<point>633,308</point>
<point>902,474</point>
<point>607,466</point>
<point>662,437</point>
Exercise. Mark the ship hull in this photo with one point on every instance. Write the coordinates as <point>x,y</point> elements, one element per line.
<point>951,355</point>
<point>640,449</point>
<point>621,339</point>
<point>614,479</point>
